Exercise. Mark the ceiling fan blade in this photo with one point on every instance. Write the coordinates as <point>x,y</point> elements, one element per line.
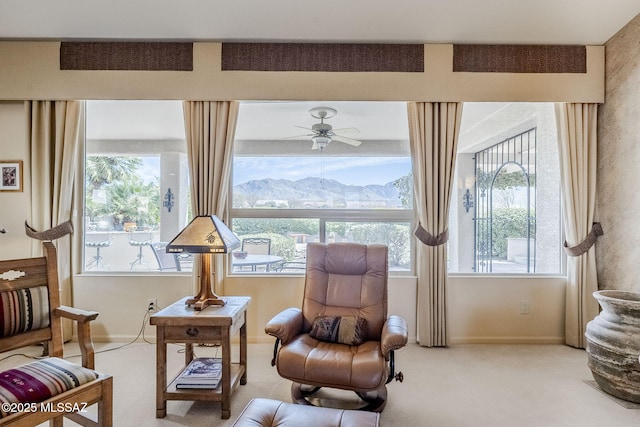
<point>295,136</point>
<point>346,130</point>
<point>346,140</point>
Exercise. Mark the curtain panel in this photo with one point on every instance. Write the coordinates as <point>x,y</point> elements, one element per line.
<point>577,148</point>
<point>210,130</point>
<point>53,129</point>
<point>433,133</point>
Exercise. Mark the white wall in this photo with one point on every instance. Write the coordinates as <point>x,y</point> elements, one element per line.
<point>485,309</point>
<point>122,299</point>
<point>15,207</point>
<point>481,309</point>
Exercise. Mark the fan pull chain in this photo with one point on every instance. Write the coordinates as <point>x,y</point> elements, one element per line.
<point>322,168</point>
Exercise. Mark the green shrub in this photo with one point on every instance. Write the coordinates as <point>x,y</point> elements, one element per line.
<point>506,223</point>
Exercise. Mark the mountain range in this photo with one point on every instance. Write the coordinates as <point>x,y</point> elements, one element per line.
<point>314,192</point>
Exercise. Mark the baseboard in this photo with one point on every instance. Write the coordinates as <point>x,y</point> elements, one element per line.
<point>151,337</point>
<point>507,340</point>
<point>121,338</point>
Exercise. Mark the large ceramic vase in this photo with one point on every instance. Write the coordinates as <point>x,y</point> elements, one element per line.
<point>613,344</point>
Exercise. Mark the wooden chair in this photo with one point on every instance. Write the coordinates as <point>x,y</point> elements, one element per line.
<point>49,388</point>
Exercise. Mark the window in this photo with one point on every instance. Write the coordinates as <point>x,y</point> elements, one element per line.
<point>505,215</point>
<point>136,185</point>
<point>291,192</point>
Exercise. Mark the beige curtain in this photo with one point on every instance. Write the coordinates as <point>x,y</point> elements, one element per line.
<point>577,147</point>
<point>210,129</point>
<point>433,135</point>
<point>53,129</point>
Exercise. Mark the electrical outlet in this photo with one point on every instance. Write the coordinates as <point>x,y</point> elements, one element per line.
<point>524,306</point>
<point>152,304</point>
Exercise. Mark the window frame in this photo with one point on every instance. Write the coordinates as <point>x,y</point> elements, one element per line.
<point>330,215</point>
<point>125,147</point>
<point>522,124</point>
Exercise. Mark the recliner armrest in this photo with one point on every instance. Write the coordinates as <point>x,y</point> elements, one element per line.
<point>83,317</point>
<point>394,335</point>
<point>285,325</point>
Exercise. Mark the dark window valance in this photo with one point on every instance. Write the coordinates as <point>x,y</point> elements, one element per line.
<point>519,58</point>
<point>122,56</point>
<point>337,57</point>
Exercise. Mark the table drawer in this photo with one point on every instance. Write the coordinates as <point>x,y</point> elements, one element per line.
<point>192,332</point>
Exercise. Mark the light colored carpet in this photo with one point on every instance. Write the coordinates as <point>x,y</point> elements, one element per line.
<point>463,385</point>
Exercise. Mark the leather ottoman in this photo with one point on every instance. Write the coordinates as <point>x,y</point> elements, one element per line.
<point>271,413</point>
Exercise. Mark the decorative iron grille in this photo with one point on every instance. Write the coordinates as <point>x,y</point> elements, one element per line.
<point>505,222</point>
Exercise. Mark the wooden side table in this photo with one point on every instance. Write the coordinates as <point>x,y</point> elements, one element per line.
<point>179,323</point>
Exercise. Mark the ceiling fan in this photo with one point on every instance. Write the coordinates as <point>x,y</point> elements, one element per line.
<point>323,133</point>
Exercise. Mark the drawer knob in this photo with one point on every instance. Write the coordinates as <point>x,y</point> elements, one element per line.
<point>192,332</point>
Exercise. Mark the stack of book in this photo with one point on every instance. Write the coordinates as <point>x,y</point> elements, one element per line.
<point>202,372</point>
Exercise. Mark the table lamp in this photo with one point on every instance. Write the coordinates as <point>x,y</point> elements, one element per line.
<point>206,235</point>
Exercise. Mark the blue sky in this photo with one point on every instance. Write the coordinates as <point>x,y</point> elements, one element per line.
<point>347,170</point>
<point>150,169</point>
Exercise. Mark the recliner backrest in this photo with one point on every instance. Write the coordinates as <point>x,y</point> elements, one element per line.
<point>346,279</point>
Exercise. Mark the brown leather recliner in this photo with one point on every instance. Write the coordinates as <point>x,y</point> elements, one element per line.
<point>345,283</point>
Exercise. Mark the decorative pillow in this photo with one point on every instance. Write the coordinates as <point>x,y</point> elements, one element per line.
<point>345,330</point>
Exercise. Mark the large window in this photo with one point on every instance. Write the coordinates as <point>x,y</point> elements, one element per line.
<point>136,185</point>
<point>291,191</point>
<point>505,215</point>
<point>323,172</point>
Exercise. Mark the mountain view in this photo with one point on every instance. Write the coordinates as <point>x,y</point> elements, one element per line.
<point>313,192</point>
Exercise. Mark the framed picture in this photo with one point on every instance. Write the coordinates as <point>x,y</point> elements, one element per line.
<point>10,175</point>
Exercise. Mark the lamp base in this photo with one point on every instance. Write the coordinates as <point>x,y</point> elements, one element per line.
<point>206,296</point>
<point>204,302</point>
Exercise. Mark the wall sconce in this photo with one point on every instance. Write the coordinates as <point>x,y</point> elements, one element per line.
<point>168,200</point>
<point>467,200</point>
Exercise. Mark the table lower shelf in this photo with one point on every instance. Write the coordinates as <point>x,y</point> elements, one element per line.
<point>204,394</point>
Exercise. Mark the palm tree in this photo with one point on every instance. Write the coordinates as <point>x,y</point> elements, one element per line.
<point>123,196</point>
<point>131,200</point>
<point>103,170</point>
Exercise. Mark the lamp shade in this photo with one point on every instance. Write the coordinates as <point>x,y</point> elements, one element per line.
<point>204,234</point>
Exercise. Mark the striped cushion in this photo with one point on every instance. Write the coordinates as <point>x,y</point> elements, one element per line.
<point>40,380</point>
<point>23,310</point>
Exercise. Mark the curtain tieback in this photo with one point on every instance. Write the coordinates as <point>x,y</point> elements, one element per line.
<point>51,234</point>
<point>585,245</point>
<point>428,239</point>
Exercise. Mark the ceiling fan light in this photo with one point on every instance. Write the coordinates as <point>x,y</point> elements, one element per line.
<point>321,141</point>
